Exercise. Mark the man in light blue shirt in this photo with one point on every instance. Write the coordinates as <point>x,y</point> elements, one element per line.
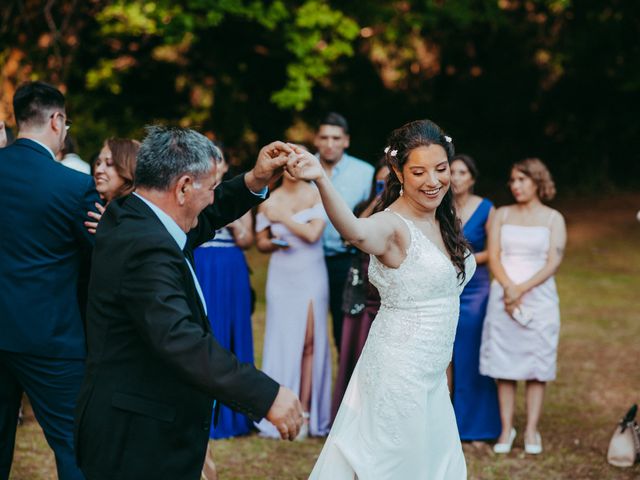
<point>352,178</point>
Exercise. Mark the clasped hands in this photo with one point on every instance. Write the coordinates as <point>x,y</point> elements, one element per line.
<point>512,297</point>
<point>275,158</point>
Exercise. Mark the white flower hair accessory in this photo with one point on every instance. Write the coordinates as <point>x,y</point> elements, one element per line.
<point>448,138</point>
<point>386,150</point>
<point>393,153</point>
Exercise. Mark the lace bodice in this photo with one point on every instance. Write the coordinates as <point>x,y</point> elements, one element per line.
<point>425,280</point>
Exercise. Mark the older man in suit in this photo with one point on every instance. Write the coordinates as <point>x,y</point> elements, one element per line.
<point>43,244</point>
<point>154,369</point>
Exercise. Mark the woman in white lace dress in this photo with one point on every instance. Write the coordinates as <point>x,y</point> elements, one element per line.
<point>396,420</point>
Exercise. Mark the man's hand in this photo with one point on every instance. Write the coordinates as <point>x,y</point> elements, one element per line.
<point>269,166</point>
<point>286,414</point>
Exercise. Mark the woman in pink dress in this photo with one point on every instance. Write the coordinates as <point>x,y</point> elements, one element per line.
<point>520,334</point>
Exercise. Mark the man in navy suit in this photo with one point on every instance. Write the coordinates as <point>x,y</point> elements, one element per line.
<point>43,244</point>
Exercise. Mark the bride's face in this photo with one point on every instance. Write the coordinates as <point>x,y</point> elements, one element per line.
<point>426,176</point>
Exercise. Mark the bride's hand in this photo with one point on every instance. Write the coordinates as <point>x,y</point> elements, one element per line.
<point>303,165</point>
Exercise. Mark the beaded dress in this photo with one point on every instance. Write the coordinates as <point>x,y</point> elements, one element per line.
<point>396,420</point>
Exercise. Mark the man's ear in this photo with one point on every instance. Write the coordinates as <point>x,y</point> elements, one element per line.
<point>348,141</point>
<point>53,123</point>
<point>181,188</point>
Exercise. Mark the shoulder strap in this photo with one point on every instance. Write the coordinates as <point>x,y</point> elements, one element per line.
<point>407,222</point>
<point>505,213</point>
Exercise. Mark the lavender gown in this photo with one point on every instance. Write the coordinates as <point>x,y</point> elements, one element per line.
<point>297,277</point>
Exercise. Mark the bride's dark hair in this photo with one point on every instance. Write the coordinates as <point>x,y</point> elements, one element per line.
<point>401,143</point>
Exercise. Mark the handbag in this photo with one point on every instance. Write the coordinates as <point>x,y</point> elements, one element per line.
<point>522,315</point>
<point>354,295</point>
<point>624,447</point>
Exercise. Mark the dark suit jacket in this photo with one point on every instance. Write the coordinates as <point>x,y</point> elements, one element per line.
<point>43,243</point>
<point>153,366</point>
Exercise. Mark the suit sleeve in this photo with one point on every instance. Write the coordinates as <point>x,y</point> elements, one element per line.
<point>232,200</point>
<point>85,241</point>
<point>153,292</point>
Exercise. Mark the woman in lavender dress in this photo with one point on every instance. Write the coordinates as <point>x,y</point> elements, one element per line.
<point>296,347</point>
<point>475,400</point>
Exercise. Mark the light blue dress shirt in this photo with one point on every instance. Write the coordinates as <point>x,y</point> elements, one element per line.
<point>352,178</point>
<point>179,236</point>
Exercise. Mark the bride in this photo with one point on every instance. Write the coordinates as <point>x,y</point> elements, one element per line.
<point>396,420</point>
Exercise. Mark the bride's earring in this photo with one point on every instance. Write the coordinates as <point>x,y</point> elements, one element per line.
<point>401,190</point>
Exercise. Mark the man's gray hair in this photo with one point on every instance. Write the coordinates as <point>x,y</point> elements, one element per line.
<point>167,153</point>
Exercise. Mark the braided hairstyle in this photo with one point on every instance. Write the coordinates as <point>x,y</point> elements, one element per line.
<point>402,141</point>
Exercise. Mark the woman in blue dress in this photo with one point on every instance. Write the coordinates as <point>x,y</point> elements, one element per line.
<point>223,274</point>
<point>475,400</point>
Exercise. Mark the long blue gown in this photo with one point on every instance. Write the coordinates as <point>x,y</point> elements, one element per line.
<point>475,399</point>
<point>223,274</point>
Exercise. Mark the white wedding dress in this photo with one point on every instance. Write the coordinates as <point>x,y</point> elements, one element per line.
<point>396,420</point>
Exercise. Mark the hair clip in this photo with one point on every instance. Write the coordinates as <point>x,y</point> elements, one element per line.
<point>386,150</point>
<point>393,153</point>
<point>448,138</point>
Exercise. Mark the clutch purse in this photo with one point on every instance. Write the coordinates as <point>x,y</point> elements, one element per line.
<point>522,315</point>
<point>624,447</point>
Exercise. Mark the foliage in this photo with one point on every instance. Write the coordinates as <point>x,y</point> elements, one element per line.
<point>507,78</point>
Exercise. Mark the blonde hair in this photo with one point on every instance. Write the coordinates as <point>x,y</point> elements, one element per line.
<point>537,171</point>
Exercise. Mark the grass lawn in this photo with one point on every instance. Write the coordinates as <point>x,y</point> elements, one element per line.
<point>598,374</point>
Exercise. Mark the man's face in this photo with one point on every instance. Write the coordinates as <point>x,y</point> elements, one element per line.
<point>331,142</point>
<point>200,195</point>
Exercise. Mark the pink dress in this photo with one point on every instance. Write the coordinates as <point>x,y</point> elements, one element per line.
<point>509,350</point>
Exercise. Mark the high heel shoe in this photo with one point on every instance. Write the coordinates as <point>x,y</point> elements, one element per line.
<point>534,448</point>
<point>505,447</point>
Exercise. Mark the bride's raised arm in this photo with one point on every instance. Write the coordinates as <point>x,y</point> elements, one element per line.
<point>374,235</point>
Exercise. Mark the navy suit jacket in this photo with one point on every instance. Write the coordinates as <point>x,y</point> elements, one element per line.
<point>43,244</point>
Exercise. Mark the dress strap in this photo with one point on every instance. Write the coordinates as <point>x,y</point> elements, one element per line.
<point>407,222</point>
<point>505,214</point>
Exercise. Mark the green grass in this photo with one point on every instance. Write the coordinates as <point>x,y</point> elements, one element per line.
<point>598,374</point>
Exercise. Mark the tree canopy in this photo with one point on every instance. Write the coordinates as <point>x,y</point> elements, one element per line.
<point>507,79</point>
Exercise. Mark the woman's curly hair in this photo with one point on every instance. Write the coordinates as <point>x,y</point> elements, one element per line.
<point>537,171</point>
<point>402,141</point>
